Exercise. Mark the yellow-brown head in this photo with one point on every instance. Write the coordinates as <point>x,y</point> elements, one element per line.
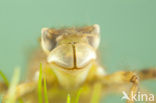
<point>70,50</point>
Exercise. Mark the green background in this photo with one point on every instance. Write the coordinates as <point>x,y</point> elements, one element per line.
<point>128,31</point>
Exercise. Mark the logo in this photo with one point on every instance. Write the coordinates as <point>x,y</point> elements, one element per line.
<point>138,96</point>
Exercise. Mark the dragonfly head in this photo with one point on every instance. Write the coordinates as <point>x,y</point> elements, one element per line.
<point>70,48</point>
<point>70,52</point>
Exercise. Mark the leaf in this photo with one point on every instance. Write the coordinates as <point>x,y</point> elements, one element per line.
<point>96,93</point>
<point>40,85</point>
<point>78,95</point>
<point>45,91</point>
<point>4,78</point>
<point>68,98</point>
<point>12,89</point>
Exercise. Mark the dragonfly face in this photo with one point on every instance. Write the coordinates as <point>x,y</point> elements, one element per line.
<point>71,48</point>
<point>70,52</point>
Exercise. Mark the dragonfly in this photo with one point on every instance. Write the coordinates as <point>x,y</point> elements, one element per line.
<point>70,62</point>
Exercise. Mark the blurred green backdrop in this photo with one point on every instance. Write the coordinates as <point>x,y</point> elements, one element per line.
<point>128,31</point>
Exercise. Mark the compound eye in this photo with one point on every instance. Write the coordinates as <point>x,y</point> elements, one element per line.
<point>92,34</point>
<point>94,41</point>
<point>93,37</point>
<point>48,39</point>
